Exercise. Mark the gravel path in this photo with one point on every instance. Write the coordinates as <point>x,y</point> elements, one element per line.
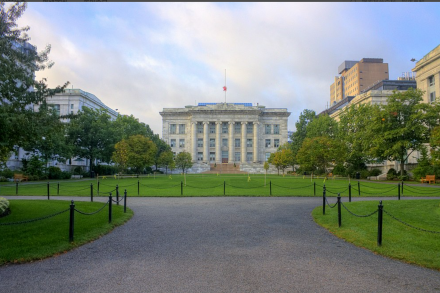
<point>219,245</point>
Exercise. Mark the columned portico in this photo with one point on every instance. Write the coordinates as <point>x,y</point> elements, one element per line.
<point>218,153</point>
<point>243,142</point>
<point>231,141</point>
<point>194,140</point>
<point>206,141</point>
<point>256,141</point>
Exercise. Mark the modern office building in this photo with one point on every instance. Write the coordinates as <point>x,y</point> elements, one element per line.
<point>215,133</point>
<point>356,76</point>
<point>427,72</point>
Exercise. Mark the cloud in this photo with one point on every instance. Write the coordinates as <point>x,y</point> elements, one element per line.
<point>143,57</point>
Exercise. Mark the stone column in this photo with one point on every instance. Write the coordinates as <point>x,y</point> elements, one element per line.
<point>206,141</point>
<point>243,142</point>
<point>231,142</point>
<point>256,141</point>
<point>218,143</point>
<point>194,141</point>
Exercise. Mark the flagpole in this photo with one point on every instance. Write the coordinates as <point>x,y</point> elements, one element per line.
<point>225,86</point>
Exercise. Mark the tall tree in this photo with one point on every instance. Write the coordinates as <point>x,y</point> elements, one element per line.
<point>19,90</point>
<point>126,126</point>
<point>183,161</point>
<point>322,125</point>
<point>91,135</point>
<point>166,159</point>
<point>141,152</point>
<point>162,147</point>
<point>401,126</point>
<point>306,117</point>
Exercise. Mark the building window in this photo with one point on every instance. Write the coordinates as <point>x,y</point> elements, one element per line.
<point>199,127</point>
<point>249,156</point>
<point>71,106</point>
<point>57,109</point>
<point>225,142</point>
<point>200,142</point>
<point>181,128</point>
<point>237,156</point>
<point>237,142</point>
<point>267,156</point>
<point>431,80</point>
<point>276,129</point>
<point>224,128</point>
<point>173,143</point>
<point>199,156</point>
<point>211,128</point>
<point>432,97</point>
<point>211,157</point>
<point>276,143</point>
<point>181,143</point>
<point>249,128</point>
<point>249,142</point>
<point>267,143</point>
<point>267,129</point>
<point>237,128</point>
<point>174,155</point>
<point>212,142</point>
<point>172,128</point>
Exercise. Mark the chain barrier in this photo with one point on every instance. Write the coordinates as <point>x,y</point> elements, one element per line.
<point>246,187</point>
<point>204,187</point>
<point>411,188</point>
<point>118,201</point>
<point>273,184</point>
<point>156,187</point>
<point>391,189</point>
<point>88,187</point>
<point>34,220</point>
<point>367,186</point>
<point>337,191</point>
<point>409,225</point>
<point>89,214</point>
<point>360,216</point>
<point>329,203</point>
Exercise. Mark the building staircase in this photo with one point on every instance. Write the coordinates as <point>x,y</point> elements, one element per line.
<point>224,168</point>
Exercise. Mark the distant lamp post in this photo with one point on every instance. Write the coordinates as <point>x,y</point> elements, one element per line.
<point>414,60</point>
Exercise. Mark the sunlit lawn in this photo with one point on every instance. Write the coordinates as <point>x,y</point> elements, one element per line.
<point>216,185</point>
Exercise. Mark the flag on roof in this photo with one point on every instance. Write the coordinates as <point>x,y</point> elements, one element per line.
<point>224,88</point>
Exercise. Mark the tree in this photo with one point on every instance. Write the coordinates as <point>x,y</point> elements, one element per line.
<point>401,126</point>
<point>320,153</point>
<point>141,152</point>
<point>322,125</point>
<point>120,154</point>
<point>162,146</point>
<point>183,161</point>
<point>166,158</point>
<point>19,90</point>
<point>126,126</point>
<point>266,167</point>
<point>435,145</point>
<point>91,135</point>
<point>306,117</point>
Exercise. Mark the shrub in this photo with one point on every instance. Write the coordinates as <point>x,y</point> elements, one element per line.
<point>7,173</point>
<point>66,175</point>
<point>391,174</point>
<point>339,170</point>
<point>364,174</point>
<point>55,173</point>
<point>375,172</point>
<point>4,205</point>
<point>105,170</point>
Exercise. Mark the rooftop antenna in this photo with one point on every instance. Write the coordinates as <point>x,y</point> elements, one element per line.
<point>225,88</point>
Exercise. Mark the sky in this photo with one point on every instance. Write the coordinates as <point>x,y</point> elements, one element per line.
<point>142,57</point>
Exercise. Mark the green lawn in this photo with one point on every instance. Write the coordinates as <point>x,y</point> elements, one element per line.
<point>44,238</point>
<point>213,185</point>
<point>399,241</point>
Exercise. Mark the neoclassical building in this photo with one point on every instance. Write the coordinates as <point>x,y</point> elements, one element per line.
<point>225,132</point>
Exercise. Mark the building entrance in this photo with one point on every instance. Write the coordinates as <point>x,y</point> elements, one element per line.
<point>225,157</point>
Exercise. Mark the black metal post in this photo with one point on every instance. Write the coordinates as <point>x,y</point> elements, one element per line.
<point>58,189</point>
<point>224,187</point>
<point>138,186</point>
<point>110,208</point>
<point>72,220</point>
<point>339,209</point>
<point>349,192</point>
<point>181,188</point>
<point>91,192</point>
<point>323,200</point>
<point>270,187</point>
<point>402,187</point>
<point>314,188</point>
<point>359,188</point>
<point>98,187</point>
<point>125,201</point>
<point>16,188</point>
<point>117,195</point>
<point>398,191</point>
<point>379,224</point>
<point>48,190</point>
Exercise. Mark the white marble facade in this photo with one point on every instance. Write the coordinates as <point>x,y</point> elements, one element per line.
<point>225,133</point>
